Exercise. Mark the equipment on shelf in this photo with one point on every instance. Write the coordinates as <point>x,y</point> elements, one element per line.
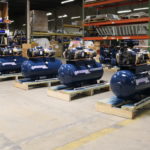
<point>10,60</point>
<point>40,52</point>
<point>101,17</point>
<point>79,53</point>
<point>80,68</point>
<point>41,64</point>
<point>134,15</point>
<point>133,79</point>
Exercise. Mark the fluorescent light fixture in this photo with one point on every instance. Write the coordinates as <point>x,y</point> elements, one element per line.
<point>67,1</point>
<point>144,8</point>
<point>51,20</point>
<point>76,17</point>
<point>49,14</point>
<point>64,16</point>
<point>124,11</point>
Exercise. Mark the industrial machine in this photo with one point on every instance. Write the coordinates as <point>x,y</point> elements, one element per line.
<point>10,60</point>
<point>41,64</point>
<point>132,81</point>
<point>80,67</point>
<point>108,56</point>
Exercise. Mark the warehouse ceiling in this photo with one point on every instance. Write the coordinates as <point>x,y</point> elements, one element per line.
<point>19,6</point>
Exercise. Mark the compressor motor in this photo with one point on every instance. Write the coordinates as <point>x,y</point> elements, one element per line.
<point>132,81</point>
<point>80,67</point>
<point>41,64</point>
<point>129,57</point>
<point>79,53</point>
<point>40,52</point>
<point>10,60</point>
<point>10,51</point>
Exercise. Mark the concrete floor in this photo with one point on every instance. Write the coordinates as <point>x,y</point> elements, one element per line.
<point>30,120</point>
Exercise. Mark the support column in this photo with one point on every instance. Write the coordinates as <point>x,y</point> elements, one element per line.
<point>149,26</point>
<point>28,22</point>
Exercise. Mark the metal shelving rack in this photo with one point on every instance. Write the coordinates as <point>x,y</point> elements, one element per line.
<point>3,35</point>
<point>117,3</point>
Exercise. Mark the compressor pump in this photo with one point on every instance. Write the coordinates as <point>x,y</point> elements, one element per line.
<point>133,78</point>
<point>10,60</point>
<point>41,64</point>
<point>80,67</point>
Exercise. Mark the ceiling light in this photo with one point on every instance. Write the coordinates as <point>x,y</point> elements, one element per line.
<point>144,8</point>
<point>77,17</point>
<point>124,11</point>
<point>49,14</point>
<point>67,1</point>
<point>24,25</point>
<point>64,16</point>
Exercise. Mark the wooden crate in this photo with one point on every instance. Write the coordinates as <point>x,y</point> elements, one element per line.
<point>27,85</point>
<point>115,106</point>
<point>10,76</point>
<point>66,93</point>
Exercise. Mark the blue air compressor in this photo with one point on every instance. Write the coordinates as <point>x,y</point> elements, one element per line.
<point>133,79</point>
<point>41,64</point>
<point>10,60</point>
<point>80,67</point>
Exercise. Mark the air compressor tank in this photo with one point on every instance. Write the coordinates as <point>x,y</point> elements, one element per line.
<point>133,79</point>
<point>11,64</point>
<point>40,67</point>
<point>126,84</point>
<point>81,71</point>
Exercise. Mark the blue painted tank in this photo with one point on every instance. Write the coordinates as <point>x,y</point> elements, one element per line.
<point>11,64</point>
<point>126,84</point>
<point>38,67</point>
<point>76,72</point>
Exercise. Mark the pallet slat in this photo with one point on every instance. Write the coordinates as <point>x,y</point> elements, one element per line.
<point>8,76</point>
<point>65,93</point>
<point>26,85</point>
<point>109,106</point>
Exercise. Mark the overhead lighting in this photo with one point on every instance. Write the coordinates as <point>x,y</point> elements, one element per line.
<point>144,8</point>
<point>49,14</point>
<point>51,20</point>
<point>24,25</point>
<point>64,16</point>
<point>77,17</point>
<point>67,1</point>
<point>124,11</point>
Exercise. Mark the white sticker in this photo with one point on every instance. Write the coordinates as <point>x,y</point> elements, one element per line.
<point>9,63</point>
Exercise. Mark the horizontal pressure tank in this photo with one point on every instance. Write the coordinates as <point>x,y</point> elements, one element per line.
<point>81,71</point>
<point>126,84</point>
<point>38,67</point>
<point>9,64</point>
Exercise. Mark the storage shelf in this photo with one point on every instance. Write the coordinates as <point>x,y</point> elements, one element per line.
<point>140,37</point>
<point>72,26</point>
<point>106,2</point>
<point>115,22</point>
<point>135,2</point>
<point>53,34</point>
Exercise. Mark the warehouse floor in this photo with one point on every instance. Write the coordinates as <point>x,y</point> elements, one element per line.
<point>30,120</point>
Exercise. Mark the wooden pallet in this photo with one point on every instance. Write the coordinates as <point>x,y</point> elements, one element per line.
<point>111,69</point>
<point>115,106</point>
<point>10,76</point>
<point>65,93</point>
<point>27,85</point>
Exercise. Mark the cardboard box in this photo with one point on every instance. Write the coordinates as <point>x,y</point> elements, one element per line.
<point>4,10</point>
<point>39,21</point>
<point>25,47</point>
